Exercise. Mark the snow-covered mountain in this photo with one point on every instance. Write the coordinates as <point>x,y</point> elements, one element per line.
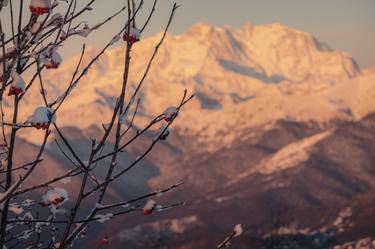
<point>245,77</point>
<point>279,120</point>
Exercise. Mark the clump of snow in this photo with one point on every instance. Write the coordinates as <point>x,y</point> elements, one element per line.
<point>238,230</point>
<point>170,113</point>
<point>134,35</point>
<point>85,32</point>
<point>18,85</point>
<point>53,61</point>
<point>103,217</point>
<point>42,117</point>
<point>28,203</point>
<point>55,197</point>
<point>149,207</point>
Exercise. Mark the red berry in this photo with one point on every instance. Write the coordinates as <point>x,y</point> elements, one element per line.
<point>104,240</point>
<point>38,10</point>
<point>14,91</point>
<point>147,211</point>
<point>132,39</point>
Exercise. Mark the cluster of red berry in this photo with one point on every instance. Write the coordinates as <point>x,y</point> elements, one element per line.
<point>39,10</point>
<point>52,64</point>
<point>170,114</point>
<point>54,202</point>
<point>104,241</point>
<point>133,36</point>
<point>43,126</point>
<point>130,38</point>
<point>14,91</point>
<point>149,207</point>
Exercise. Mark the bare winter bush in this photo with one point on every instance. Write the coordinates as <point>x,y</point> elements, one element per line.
<point>32,47</point>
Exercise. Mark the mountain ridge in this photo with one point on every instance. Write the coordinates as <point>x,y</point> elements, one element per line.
<point>244,73</point>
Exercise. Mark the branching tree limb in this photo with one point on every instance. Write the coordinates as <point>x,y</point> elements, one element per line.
<point>32,47</point>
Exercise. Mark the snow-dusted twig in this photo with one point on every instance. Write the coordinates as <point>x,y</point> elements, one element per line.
<point>237,231</point>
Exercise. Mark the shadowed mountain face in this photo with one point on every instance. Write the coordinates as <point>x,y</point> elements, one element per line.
<point>300,204</point>
<point>280,138</point>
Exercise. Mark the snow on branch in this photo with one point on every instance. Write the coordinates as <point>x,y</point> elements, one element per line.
<point>237,231</point>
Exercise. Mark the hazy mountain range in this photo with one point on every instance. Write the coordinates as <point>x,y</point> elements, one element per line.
<point>282,125</point>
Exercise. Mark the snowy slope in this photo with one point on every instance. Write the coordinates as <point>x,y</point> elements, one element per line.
<point>242,78</point>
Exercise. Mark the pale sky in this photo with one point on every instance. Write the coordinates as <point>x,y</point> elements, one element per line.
<point>347,25</point>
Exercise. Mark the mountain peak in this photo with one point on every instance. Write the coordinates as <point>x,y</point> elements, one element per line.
<point>200,29</point>
<point>278,26</point>
<point>248,26</point>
